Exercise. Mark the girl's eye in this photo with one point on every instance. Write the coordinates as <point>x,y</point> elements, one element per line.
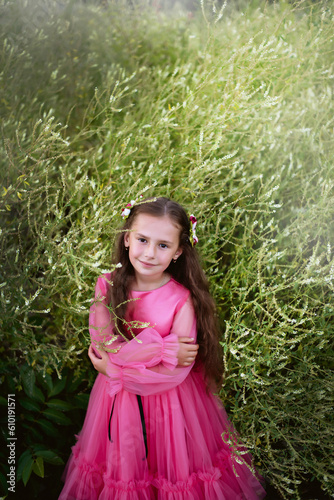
<point>163,245</point>
<point>142,240</point>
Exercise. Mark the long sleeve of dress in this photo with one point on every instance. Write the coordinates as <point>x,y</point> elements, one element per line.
<point>140,377</point>
<point>148,347</point>
<point>100,320</point>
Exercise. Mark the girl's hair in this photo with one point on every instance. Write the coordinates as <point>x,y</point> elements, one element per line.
<point>186,270</point>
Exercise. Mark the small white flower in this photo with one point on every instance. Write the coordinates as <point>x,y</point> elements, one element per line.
<point>126,212</point>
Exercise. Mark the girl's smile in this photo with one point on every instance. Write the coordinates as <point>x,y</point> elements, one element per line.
<point>153,242</point>
<point>147,264</point>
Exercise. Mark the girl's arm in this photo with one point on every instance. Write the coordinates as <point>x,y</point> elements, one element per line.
<point>142,380</point>
<point>100,321</point>
<point>148,347</point>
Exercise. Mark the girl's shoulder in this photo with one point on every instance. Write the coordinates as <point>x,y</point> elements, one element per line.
<point>106,277</point>
<point>104,281</point>
<point>173,294</point>
<point>178,288</point>
<point>179,292</point>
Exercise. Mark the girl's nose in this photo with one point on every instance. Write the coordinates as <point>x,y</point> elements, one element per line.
<point>149,250</point>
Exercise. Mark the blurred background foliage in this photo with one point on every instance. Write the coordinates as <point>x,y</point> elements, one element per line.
<point>227,109</point>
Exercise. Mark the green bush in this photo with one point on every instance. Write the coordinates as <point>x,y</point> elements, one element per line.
<point>233,117</point>
<point>48,412</point>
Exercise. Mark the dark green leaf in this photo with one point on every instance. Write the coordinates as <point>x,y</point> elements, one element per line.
<point>59,404</point>
<point>28,380</point>
<point>30,417</point>
<point>38,395</point>
<point>73,383</point>
<point>24,459</point>
<point>29,404</point>
<point>48,382</point>
<point>58,386</point>
<point>47,427</point>
<point>3,482</point>
<point>57,416</point>
<point>45,382</point>
<point>3,401</point>
<point>81,400</point>
<point>33,433</point>
<point>27,471</point>
<point>50,457</point>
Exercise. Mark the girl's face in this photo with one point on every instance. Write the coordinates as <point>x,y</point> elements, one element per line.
<point>153,242</point>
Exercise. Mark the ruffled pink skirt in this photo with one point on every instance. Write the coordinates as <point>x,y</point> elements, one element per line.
<point>187,454</point>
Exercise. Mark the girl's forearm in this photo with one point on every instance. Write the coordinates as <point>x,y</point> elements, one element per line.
<point>149,349</point>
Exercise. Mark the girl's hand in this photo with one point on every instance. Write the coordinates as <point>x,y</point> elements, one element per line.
<point>187,351</point>
<point>99,359</point>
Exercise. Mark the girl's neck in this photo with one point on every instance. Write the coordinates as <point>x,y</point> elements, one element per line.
<point>146,286</point>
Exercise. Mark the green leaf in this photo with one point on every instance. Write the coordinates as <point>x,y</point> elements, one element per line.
<point>27,470</point>
<point>45,382</point>
<point>59,404</point>
<point>58,386</point>
<point>3,401</point>
<point>33,433</point>
<point>57,416</point>
<point>73,383</point>
<point>49,382</point>
<point>38,395</point>
<point>38,467</point>
<point>29,384</point>
<point>81,400</point>
<point>47,427</point>
<point>28,380</point>
<point>29,404</point>
<point>50,457</point>
<point>30,417</point>
<point>3,482</point>
<point>25,458</point>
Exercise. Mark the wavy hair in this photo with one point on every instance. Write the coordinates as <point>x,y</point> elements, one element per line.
<point>187,271</point>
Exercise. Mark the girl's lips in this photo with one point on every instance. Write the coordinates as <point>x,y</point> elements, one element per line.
<point>147,264</point>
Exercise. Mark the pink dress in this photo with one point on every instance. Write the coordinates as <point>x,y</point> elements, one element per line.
<point>152,430</point>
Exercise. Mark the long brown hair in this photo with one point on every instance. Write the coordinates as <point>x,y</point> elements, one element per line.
<point>186,270</point>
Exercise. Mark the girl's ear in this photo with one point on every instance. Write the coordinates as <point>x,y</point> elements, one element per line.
<point>126,239</point>
<point>177,253</point>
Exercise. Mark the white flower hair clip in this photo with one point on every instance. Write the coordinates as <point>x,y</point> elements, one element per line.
<point>126,211</point>
<point>193,224</point>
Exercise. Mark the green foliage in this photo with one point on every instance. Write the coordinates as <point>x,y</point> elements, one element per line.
<point>48,413</point>
<point>231,116</point>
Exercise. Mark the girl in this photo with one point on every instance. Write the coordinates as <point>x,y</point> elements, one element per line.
<point>153,428</point>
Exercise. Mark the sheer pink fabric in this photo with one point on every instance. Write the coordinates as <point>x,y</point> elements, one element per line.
<point>187,458</point>
<point>145,365</point>
<point>150,367</point>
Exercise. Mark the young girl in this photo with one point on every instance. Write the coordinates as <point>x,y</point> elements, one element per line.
<point>153,428</point>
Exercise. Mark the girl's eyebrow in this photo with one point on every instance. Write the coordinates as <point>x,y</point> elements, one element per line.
<point>146,238</point>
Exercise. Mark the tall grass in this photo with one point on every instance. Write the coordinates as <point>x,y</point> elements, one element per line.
<point>230,113</point>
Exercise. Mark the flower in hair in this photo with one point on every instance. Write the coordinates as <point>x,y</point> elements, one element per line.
<point>193,224</point>
<point>126,211</point>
